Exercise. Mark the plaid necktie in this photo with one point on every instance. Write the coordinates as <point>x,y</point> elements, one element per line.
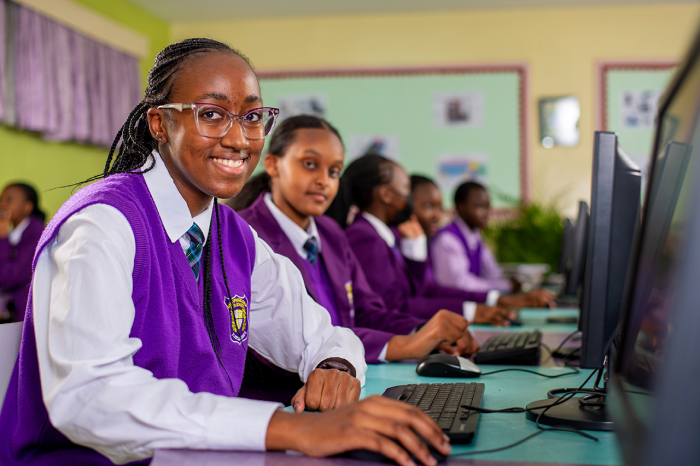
<point>194,252</point>
<point>311,248</point>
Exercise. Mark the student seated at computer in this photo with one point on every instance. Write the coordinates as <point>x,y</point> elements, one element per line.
<point>461,259</point>
<point>19,208</point>
<point>303,168</point>
<point>381,189</point>
<point>146,295</point>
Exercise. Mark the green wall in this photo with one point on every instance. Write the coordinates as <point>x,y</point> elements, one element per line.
<point>403,106</point>
<point>46,165</point>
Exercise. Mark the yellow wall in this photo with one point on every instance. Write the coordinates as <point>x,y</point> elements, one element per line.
<point>561,46</point>
<point>25,156</point>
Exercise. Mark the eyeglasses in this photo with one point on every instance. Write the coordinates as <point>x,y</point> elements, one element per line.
<point>214,121</point>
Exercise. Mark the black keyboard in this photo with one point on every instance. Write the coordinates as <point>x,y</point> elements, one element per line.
<point>511,348</point>
<point>443,403</point>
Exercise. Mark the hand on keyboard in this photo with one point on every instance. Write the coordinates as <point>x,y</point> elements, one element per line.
<point>378,424</point>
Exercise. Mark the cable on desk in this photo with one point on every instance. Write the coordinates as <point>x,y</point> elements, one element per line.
<point>537,422</point>
<point>575,370</point>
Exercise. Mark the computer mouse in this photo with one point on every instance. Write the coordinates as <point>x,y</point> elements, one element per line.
<point>369,455</point>
<point>446,365</point>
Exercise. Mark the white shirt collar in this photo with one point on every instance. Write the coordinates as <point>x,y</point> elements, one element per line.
<point>472,236</point>
<point>171,206</point>
<point>15,235</point>
<point>297,235</point>
<point>382,228</point>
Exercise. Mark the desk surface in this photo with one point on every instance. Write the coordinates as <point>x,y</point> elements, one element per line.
<point>503,390</point>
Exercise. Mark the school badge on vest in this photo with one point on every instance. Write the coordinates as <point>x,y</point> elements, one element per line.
<point>351,301</point>
<point>238,313</point>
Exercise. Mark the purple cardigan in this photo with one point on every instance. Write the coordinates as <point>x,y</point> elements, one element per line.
<point>401,283</point>
<point>168,320</point>
<point>16,265</point>
<point>359,308</point>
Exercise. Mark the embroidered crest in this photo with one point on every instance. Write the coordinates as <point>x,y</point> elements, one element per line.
<point>351,301</point>
<point>238,313</point>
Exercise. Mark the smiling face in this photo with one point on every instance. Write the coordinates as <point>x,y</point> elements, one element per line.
<point>305,178</point>
<point>427,205</point>
<point>203,167</point>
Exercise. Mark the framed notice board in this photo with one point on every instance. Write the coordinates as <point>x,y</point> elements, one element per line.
<point>450,123</point>
<point>628,102</point>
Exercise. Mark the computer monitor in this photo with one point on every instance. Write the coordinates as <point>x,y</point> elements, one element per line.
<point>578,251</point>
<point>567,243</point>
<point>653,388</point>
<point>615,205</point>
<point>614,215</point>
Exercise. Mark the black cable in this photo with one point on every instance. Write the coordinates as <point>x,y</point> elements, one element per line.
<point>561,400</point>
<point>575,371</point>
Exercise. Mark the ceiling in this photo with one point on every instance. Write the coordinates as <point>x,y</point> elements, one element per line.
<point>204,10</point>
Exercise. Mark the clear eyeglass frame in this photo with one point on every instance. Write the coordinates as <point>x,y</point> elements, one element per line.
<point>213,127</point>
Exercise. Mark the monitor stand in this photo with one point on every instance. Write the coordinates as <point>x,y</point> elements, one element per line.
<point>572,413</point>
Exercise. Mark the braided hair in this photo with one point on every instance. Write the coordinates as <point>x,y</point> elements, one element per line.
<point>357,185</point>
<point>136,144</point>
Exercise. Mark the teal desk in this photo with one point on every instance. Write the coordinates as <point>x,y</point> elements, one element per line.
<point>503,390</point>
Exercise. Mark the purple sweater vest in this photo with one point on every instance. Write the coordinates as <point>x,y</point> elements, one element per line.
<point>322,285</point>
<point>169,320</point>
<point>16,265</point>
<point>474,255</point>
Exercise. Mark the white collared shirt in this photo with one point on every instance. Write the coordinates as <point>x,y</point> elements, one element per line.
<point>15,235</point>
<point>296,234</point>
<point>411,251</point>
<point>83,314</point>
<point>415,249</point>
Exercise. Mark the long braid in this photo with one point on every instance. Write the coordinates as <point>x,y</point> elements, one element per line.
<point>133,146</point>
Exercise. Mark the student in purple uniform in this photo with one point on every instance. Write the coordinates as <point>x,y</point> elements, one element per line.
<point>394,259</point>
<point>19,207</point>
<point>146,295</point>
<point>303,168</point>
<point>461,259</point>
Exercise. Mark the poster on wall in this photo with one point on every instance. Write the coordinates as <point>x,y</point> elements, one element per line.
<point>454,169</point>
<point>458,109</point>
<point>291,105</point>
<point>384,144</point>
<point>638,108</point>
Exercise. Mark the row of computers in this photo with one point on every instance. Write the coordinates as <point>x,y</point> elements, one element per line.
<point>633,266</point>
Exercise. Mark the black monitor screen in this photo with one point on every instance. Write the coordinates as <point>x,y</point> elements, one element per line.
<point>655,378</point>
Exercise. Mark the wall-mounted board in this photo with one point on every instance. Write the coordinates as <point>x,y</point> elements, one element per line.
<point>440,122</point>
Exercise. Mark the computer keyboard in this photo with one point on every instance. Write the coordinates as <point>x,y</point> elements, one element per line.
<point>511,348</point>
<point>443,403</point>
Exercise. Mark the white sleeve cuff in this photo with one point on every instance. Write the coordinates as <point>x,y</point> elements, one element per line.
<point>382,354</point>
<point>415,249</point>
<point>469,310</point>
<point>492,297</point>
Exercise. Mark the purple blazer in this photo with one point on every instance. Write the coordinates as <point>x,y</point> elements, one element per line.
<point>402,283</point>
<point>16,265</point>
<point>358,306</point>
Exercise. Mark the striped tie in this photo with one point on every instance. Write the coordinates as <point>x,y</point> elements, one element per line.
<point>311,248</point>
<point>194,252</point>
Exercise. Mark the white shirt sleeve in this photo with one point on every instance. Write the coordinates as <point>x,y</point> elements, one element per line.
<point>93,392</point>
<point>287,326</point>
<point>415,249</point>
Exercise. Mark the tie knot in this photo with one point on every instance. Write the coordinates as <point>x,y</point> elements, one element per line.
<point>195,234</point>
<point>311,248</point>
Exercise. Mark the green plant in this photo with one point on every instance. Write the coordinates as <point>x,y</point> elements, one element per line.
<point>533,236</point>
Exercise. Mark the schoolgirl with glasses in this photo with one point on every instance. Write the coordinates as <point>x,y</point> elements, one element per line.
<point>147,294</point>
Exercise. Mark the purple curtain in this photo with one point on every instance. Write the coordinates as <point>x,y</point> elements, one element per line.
<point>60,83</point>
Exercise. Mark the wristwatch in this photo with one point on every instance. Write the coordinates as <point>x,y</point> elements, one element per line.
<point>335,363</point>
